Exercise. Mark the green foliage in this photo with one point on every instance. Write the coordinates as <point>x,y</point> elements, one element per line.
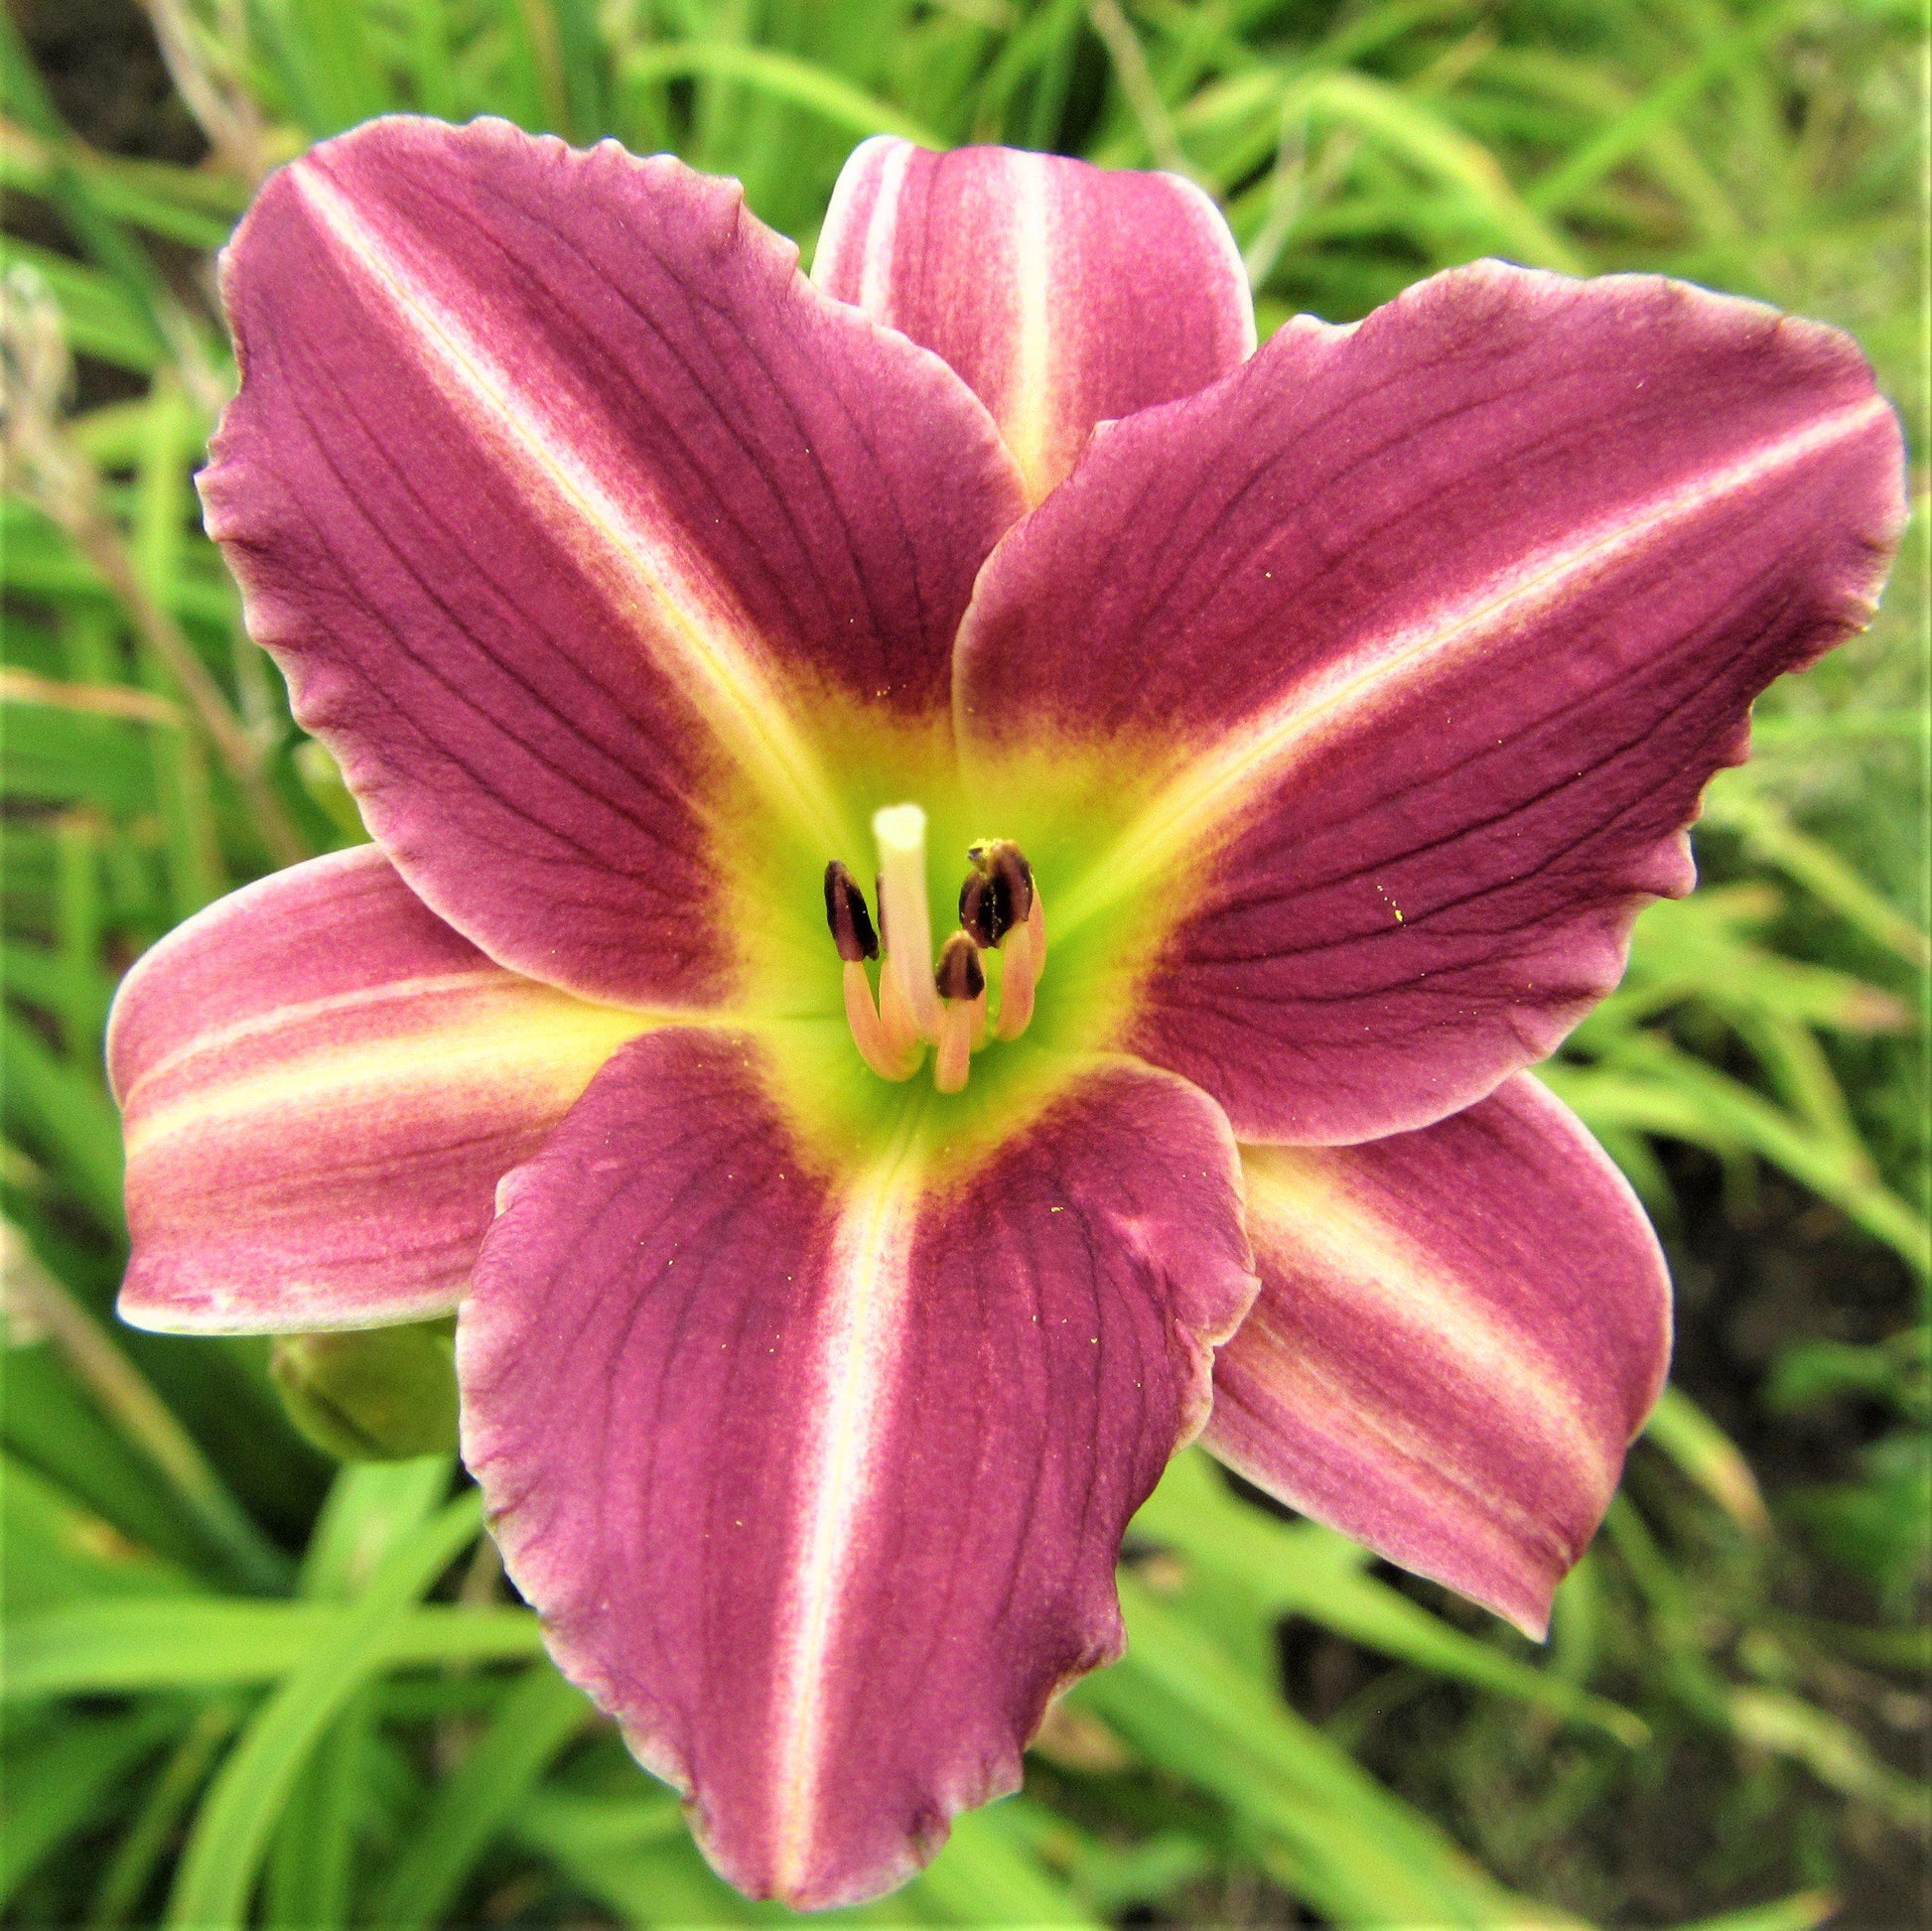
<point>242,1688</point>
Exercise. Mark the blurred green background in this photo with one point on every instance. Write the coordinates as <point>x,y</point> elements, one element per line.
<point>243,1684</point>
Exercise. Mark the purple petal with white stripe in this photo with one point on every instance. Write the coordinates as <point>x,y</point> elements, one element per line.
<point>816,1465</point>
<point>1066,295</point>
<point>322,1085</point>
<point>568,505</point>
<point>1405,651</point>
<point>1458,1333</point>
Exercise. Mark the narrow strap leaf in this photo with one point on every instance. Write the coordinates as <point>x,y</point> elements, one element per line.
<point>232,1827</point>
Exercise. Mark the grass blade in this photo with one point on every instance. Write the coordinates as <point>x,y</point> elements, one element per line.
<point>117,1647</point>
<point>232,1827</point>
<point>532,1724</point>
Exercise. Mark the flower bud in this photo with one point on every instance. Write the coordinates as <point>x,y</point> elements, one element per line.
<point>379,1394</point>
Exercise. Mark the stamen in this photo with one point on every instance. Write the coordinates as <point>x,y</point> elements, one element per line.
<point>960,985</point>
<point>900,831</point>
<point>954,1060</point>
<point>887,1057</point>
<point>1000,906</point>
<point>1020,974</point>
<point>852,933</point>
<point>1003,865</point>
<point>902,1034</point>
<point>999,910</point>
<point>846,914</point>
<point>980,913</point>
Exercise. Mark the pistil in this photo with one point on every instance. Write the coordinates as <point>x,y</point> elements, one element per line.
<point>896,1015</point>
<point>899,833</point>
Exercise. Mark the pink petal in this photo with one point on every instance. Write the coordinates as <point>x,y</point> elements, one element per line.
<point>1428,633</point>
<point>1459,1333</point>
<point>1066,295</point>
<point>566,501</point>
<point>322,1085</point>
<point>815,1460</point>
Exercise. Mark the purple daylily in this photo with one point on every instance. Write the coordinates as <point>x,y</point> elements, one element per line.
<point>1335,708</point>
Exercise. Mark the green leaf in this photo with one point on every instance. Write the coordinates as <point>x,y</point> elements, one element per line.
<point>987,1874</point>
<point>531,1726</point>
<point>54,1550</point>
<point>103,318</point>
<point>1345,1845</point>
<point>311,1872</point>
<point>1804,1911</point>
<point>1306,1570</point>
<point>131,1870</point>
<point>633,1856</point>
<point>69,1114</point>
<point>103,1648</point>
<point>372,1508</point>
<point>232,1827</point>
<point>1709,1456</point>
<point>1655,1085</point>
<point>782,76</point>
<point>56,1784</point>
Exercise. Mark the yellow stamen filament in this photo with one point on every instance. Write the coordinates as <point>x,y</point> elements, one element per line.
<point>906,919</point>
<point>887,1056</point>
<point>960,982</point>
<point>954,1060</point>
<point>901,1028</point>
<point>1018,976</point>
<point>1022,956</point>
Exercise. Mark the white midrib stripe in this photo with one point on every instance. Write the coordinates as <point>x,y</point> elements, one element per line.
<point>1314,1219</point>
<point>1031,418</point>
<point>482,979</point>
<point>880,239</point>
<point>712,667</point>
<point>862,1319</point>
<point>526,1056</point>
<point>1186,814</point>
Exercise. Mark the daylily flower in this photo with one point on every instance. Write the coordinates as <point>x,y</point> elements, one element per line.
<point>1251,764</point>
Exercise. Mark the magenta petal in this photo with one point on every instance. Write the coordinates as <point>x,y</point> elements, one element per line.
<point>1430,632</point>
<point>558,491</point>
<point>323,1084</point>
<point>1458,1331</point>
<point>817,1473</point>
<point>1065,294</point>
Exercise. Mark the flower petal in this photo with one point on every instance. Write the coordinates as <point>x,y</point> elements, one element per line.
<point>1427,634</point>
<point>816,1467</point>
<point>560,495</point>
<point>1459,1333</point>
<point>1065,294</point>
<point>321,1084</point>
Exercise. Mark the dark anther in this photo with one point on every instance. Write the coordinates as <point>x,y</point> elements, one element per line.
<point>985,908</point>
<point>846,914</point>
<point>998,892</point>
<point>960,974</point>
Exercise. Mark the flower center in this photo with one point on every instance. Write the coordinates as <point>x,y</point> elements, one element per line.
<point>918,1002</point>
